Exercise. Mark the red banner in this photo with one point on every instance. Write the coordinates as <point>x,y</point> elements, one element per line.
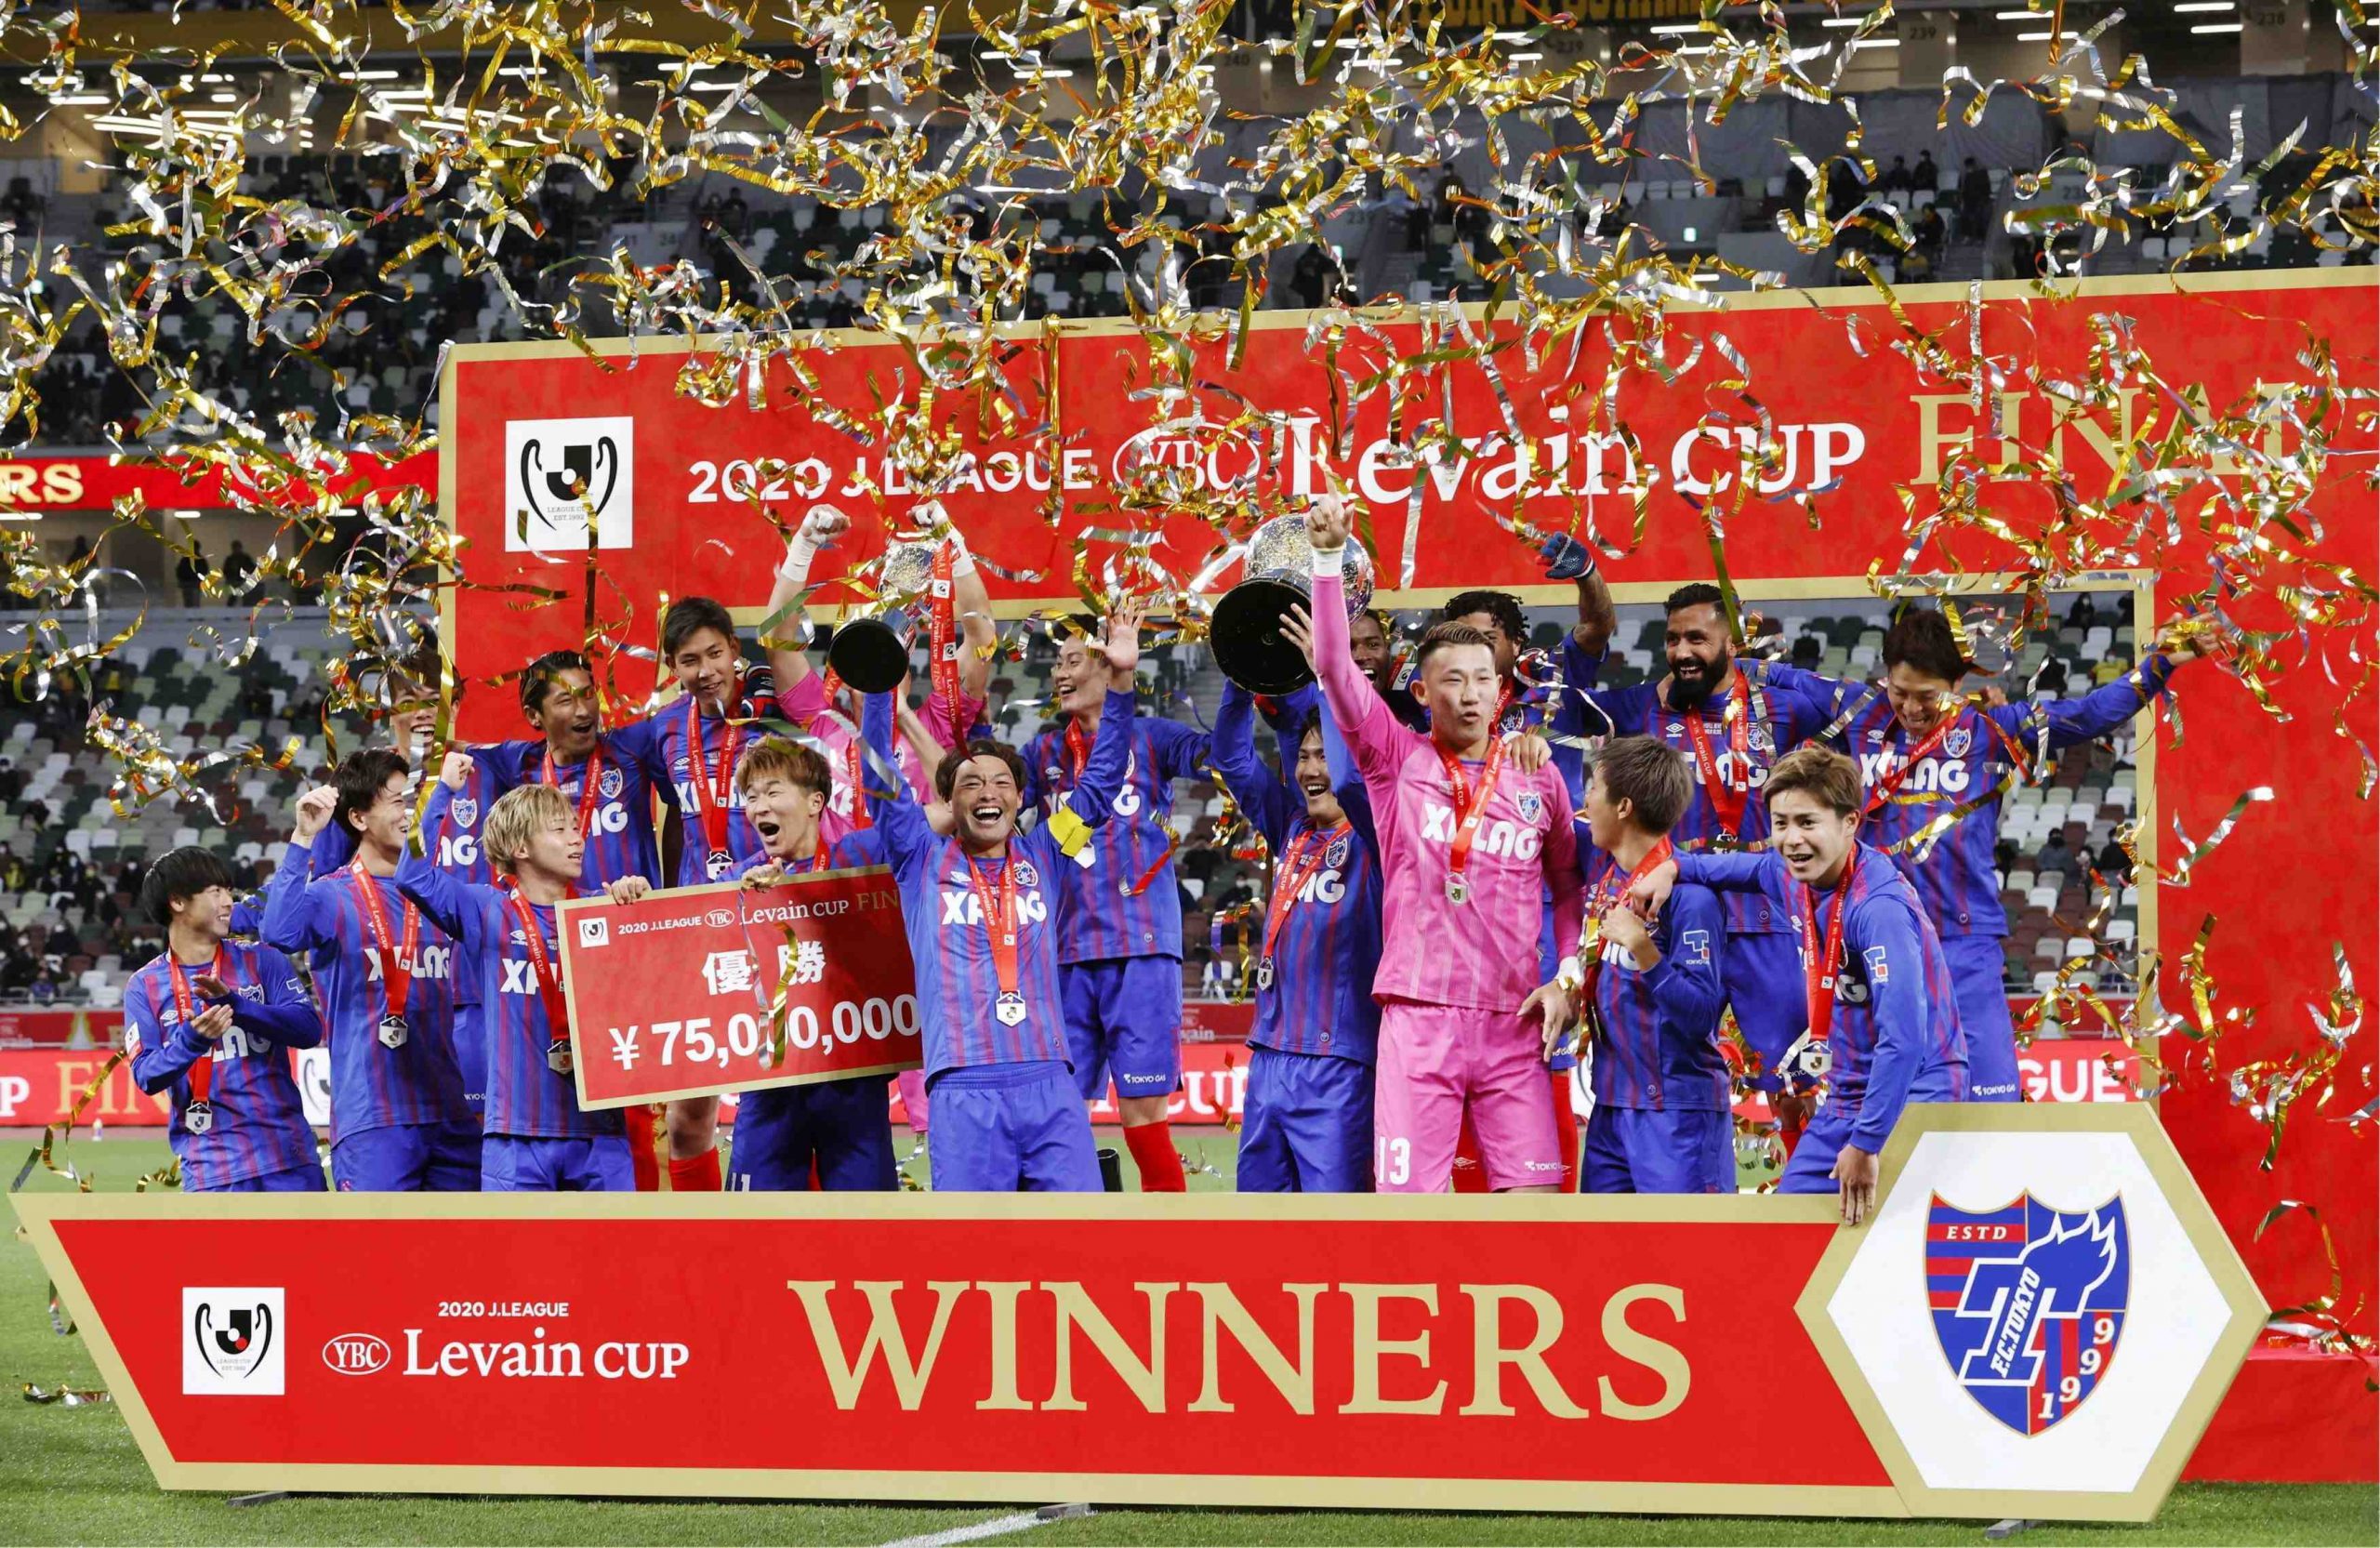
<point>40,1087</point>
<point>97,482</point>
<point>56,1029</point>
<point>676,994</point>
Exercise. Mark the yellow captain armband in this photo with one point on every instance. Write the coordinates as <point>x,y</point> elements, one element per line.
<point>1068,829</point>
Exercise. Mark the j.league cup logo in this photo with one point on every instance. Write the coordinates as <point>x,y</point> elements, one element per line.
<point>563,476</point>
<point>232,1341</point>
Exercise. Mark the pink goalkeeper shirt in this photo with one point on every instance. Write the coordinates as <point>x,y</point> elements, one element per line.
<point>1481,953</point>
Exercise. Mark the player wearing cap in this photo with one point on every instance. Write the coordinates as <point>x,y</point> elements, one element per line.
<point>1120,936</point>
<point>1883,1022</point>
<point>1934,767</point>
<point>984,907</point>
<point>405,1091</point>
<point>537,1138</point>
<point>1661,1121</point>
<point>1306,1124</point>
<point>841,1127</point>
<point>210,1021</point>
<point>1468,846</point>
<point>689,750</point>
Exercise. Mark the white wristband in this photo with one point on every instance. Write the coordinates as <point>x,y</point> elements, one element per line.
<point>1570,975</point>
<point>963,565</point>
<point>1330,562</point>
<point>797,555</point>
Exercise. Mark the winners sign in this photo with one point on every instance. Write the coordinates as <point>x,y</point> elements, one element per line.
<point>726,988</point>
<point>1413,1353</point>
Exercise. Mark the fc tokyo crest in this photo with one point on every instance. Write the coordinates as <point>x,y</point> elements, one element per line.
<point>1957,743</point>
<point>2029,1302</point>
<point>465,812</point>
<point>1531,804</point>
<point>1026,875</point>
<point>1337,853</point>
<point>609,784</point>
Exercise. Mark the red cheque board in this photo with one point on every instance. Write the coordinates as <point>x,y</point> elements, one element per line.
<point>1861,425</point>
<point>676,994</point>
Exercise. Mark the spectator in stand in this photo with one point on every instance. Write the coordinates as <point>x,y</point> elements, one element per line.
<point>189,572</point>
<point>1974,202</point>
<point>12,870</point>
<point>1895,178</point>
<point>1310,281</point>
<point>1924,177</point>
<point>45,988</point>
<point>2055,856</point>
<point>735,216</point>
<point>1930,231</point>
<point>2113,863</point>
<point>2050,679</point>
<point>238,566</point>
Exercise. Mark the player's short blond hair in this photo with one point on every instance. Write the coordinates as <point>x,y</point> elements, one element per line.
<point>1821,774</point>
<point>517,814</point>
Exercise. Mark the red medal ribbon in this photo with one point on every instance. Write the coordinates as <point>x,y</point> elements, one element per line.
<point>586,780</point>
<point>1819,970</point>
<point>998,904</point>
<point>1077,752</point>
<point>1887,786</point>
<point>1077,759</point>
<point>711,788</point>
<point>396,966</point>
<point>1605,897</point>
<point>851,776</point>
<point>1469,809</point>
<point>542,962</point>
<point>1504,702</point>
<point>1726,800</point>
<point>201,1074</point>
<point>942,642</point>
<point>1313,842</point>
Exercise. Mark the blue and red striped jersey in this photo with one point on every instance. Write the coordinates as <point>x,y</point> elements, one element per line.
<point>1953,869</point>
<point>1656,1030</point>
<point>526,1096</point>
<point>372,1086</point>
<point>661,748</point>
<point>1788,707</point>
<point>941,885</point>
<point>1327,953</point>
<point>619,820</point>
<point>450,823</point>
<point>260,1122</point>
<point>1125,901</point>
<point>1895,1016</point>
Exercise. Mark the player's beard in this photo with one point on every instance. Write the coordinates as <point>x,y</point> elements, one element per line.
<point>1692,691</point>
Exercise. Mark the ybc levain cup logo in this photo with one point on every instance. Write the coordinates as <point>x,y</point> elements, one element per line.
<point>562,475</point>
<point>2029,1302</point>
<point>232,1341</point>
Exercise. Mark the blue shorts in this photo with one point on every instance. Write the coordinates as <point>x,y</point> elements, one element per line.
<point>1001,1128</point>
<point>1829,1131</point>
<point>409,1157</point>
<point>1642,1150</point>
<point>1124,1016</point>
<point>523,1163</point>
<point>1307,1124</point>
<point>845,1126</point>
<point>1762,976</point>
<point>305,1179</point>
<point>1975,963</point>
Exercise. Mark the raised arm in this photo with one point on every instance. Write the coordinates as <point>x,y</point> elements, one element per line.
<point>2101,713</point>
<point>782,630</point>
<point>1094,796</point>
<point>1371,732</point>
<point>1261,793</point>
<point>291,920</point>
<point>286,1015</point>
<point>979,637</point>
<point>899,821</point>
<point>446,901</point>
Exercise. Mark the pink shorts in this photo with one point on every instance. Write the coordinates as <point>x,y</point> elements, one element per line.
<point>1434,1062</point>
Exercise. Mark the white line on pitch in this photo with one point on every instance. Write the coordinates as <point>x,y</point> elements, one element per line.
<point>997,1526</point>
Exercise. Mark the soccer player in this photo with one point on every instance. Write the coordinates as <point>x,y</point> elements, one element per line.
<point>1468,847</point>
<point>1120,936</point>
<point>1368,641</point>
<point>571,753</point>
<point>406,1090</point>
<point>1663,1121</point>
<point>985,908</point>
<point>689,750</point>
<point>844,1127</point>
<point>211,1020</point>
<point>450,826</point>
<point>1497,617</point>
<point>536,1139</point>
<point>1731,719</point>
<point>1883,1026</point>
<point>1929,757</point>
<point>1307,1124</point>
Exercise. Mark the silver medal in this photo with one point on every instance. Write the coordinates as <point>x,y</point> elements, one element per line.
<point>1010,1009</point>
<point>1458,890</point>
<point>719,863</point>
<point>557,1056</point>
<point>198,1118</point>
<point>1264,973</point>
<point>392,1031</point>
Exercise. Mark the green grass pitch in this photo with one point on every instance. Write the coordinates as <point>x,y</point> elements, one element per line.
<point>72,1475</point>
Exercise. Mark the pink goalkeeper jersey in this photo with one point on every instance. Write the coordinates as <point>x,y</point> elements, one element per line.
<point>1481,953</point>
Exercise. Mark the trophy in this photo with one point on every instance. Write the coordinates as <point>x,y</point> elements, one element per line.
<point>1246,629</point>
<point>871,652</point>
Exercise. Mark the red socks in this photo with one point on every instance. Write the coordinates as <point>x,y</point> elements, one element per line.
<point>1153,1152</point>
<point>1566,1129</point>
<point>642,1158</point>
<point>694,1174</point>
